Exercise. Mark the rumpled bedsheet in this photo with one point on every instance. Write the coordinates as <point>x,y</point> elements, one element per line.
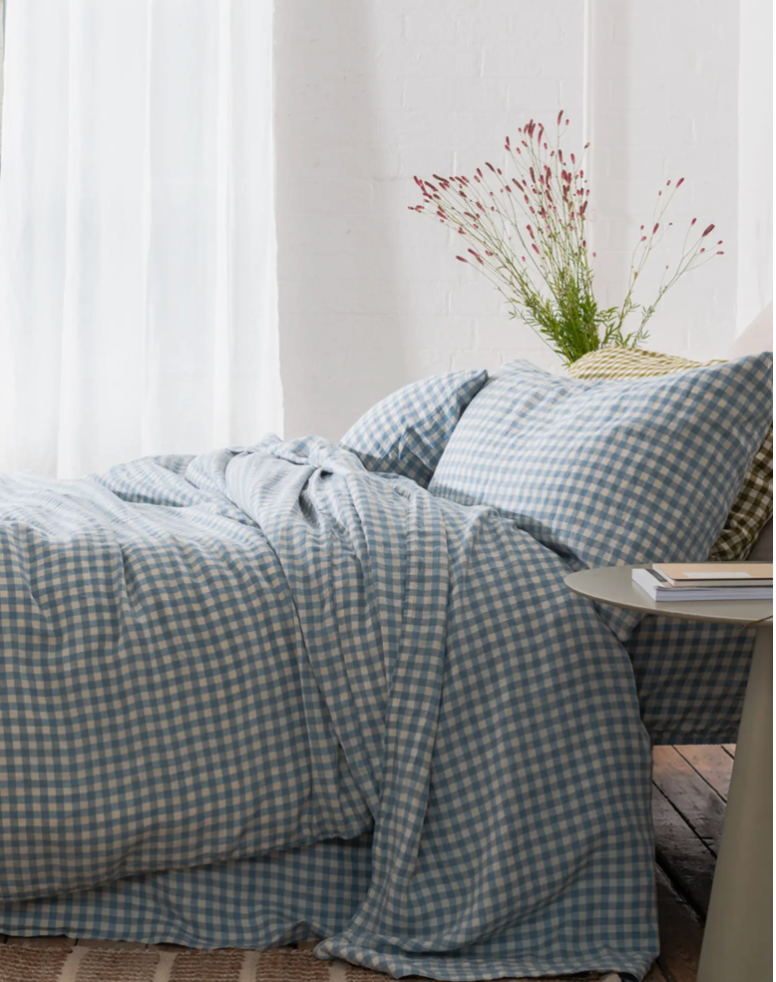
<point>262,694</point>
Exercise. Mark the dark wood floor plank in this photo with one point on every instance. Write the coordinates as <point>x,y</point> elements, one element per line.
<point>701,806</point>
<point>712,763</point>
<point>680,934</point>
<point>681,853</point>
<point>655,974</point>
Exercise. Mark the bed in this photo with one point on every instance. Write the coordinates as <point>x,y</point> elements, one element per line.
<point>305,689</point>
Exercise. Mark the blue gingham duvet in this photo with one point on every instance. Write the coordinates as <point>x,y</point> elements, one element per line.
<point>257,695</point>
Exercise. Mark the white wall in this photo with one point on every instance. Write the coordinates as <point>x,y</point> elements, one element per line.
<point>755,159</point>
<point>664,106</point>
<point>371,92</point>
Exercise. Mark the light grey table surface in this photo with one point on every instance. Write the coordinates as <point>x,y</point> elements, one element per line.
<point>613,585</point>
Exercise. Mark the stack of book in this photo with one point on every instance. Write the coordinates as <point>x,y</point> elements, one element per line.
<point>706,581</point>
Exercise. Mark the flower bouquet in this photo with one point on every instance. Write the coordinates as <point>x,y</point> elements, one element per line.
<point>526,233</point>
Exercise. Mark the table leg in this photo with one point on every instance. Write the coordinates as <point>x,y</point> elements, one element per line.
<point>737,941</point>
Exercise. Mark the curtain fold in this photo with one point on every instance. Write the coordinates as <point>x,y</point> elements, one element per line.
<point>138,296</point>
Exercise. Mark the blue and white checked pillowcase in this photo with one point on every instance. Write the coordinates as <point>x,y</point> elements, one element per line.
<point>608,473</point>
<point>407,432</point>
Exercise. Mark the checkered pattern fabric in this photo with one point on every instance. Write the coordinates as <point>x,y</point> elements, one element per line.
<point>754,504</point>
<point>407,431</point>
<point>259,694</point>
<point>616,472</point>
<point>691,678</point>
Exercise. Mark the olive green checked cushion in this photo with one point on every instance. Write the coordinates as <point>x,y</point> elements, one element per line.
<point>754,504</point>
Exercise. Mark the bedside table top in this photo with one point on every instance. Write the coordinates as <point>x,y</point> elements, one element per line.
<point>613,585</point>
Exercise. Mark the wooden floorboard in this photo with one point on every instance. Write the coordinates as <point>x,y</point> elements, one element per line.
<point>713,764</point>
<point>681,854</point>
<point>691,785</point>
<point>692,796</point>
<point>655,974</point>
<point>681,933</point>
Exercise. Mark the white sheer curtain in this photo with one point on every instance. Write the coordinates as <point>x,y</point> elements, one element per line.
<point>137,241</point>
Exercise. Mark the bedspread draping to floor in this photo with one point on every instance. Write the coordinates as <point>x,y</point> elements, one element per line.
<point>262,693</point>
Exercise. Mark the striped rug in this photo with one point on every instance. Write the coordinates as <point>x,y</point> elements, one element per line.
<point>65,960</point>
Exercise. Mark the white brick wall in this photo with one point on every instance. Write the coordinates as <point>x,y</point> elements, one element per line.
<point>371,92</point>
<point>755,159</point>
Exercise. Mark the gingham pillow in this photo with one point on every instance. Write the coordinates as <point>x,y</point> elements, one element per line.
<point>754,505</point>
<point>615,472</point>
<point>407,431</point>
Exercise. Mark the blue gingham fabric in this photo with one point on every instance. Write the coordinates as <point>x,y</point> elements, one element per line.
<point>406,432</point>
<point>261,693</point>
<point>611,473</point>
<point>690,678</point>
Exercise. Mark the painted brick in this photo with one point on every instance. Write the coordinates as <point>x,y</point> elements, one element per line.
<point>370,94</point>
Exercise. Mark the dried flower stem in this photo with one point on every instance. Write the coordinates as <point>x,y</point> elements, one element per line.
<point>526,234</point>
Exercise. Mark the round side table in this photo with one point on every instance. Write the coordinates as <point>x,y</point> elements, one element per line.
<point>737,941</point>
